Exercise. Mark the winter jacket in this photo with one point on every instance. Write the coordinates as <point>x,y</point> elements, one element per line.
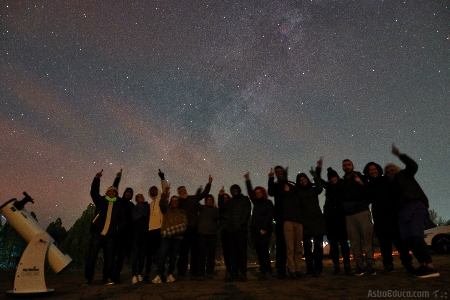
<point>237,212</point>
<point>207,220</point>
<point>172,215</point>
<point>191,205</point>
<point>406,186</point>
<point>313,221</point>
<point>263,209</point>
<point>117,221</point>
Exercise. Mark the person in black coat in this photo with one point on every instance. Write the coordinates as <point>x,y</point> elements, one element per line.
<point>413,211</point>
<point>140,218</point>
<point>108,222</point>
<point>335,220</point>
<point>261,226</point>
<point>237,211</point>
<point>385,218</point>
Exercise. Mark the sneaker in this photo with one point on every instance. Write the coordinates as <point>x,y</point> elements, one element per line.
<point>157,279</point>
<point>109,282</point>
<point>170,278</point>
<point>426,272</point>
<point>88,282</point>
<point>134,280</point>
<point>359,271</point>
<point>370,271</point>
<point>139,278</point>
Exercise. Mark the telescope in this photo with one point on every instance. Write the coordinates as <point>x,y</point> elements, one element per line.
<point>29,279</point>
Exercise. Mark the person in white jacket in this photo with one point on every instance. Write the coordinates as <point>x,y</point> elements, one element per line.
<point>154,226</point>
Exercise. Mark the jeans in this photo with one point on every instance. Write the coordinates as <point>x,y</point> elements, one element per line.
<point>138,257</point>
<point>190,242</point>
<point>168,249</point>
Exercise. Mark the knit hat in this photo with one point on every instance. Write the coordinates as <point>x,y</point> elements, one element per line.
<point>331,173</point>
<point>111,188</point>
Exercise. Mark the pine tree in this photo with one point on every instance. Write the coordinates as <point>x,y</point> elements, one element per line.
<point>77,241</point>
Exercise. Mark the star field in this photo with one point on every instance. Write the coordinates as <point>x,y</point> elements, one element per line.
<point>220,88</point>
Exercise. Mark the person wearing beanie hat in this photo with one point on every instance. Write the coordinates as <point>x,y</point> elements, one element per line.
<point>385,220</point>
<point>124,238</point>
<point>335,219</point>
<point>313,222</point>
<point>261,226</point>
<point>413,212</point>
<point>108,222</point>
<point>237,214</point>
<point>139,216</point>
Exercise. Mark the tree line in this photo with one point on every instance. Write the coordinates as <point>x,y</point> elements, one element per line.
<point>74,241</point>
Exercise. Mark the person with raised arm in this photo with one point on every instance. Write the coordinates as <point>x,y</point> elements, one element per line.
<point>108,222</point>
<point>413,211</point>
<point>261,226</point>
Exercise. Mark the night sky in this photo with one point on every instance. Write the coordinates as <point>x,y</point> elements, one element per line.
<point>217,87</point>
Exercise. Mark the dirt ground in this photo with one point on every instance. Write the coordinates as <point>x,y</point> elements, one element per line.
<point>396,285</point>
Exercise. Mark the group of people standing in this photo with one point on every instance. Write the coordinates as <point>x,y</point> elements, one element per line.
<point>175,226</point>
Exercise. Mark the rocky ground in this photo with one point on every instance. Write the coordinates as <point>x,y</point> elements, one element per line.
<point>68,285</point>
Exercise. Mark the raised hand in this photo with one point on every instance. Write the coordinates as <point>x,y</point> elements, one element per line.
<point>119,174</point>
<point>312,172</point>
<point>320,162</point>
<point>395,150</point>
<point>271,174</point>
<point>99,174</point>
<point>247,176</point>
<point>160,174</point>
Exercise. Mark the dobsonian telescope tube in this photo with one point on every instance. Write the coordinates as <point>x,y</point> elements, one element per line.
<point>27,226</point>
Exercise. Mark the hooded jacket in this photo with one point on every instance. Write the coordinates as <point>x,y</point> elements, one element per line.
<point>156,216</point>
<point>313,221</point>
